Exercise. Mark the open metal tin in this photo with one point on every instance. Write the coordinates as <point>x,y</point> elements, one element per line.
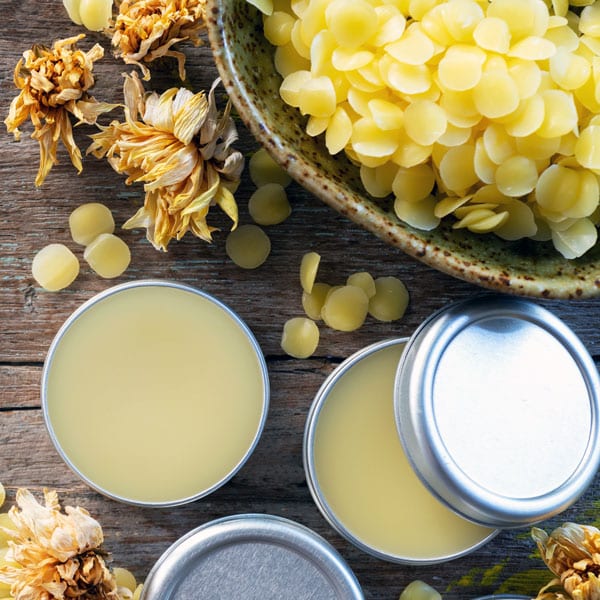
<point>254,557</point>
<point>88,427</point>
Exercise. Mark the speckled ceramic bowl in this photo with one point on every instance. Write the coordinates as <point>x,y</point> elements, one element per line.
<point>244,60</point>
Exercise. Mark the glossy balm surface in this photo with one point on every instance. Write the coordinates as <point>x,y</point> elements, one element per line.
<point>154,394</point>
<point>365,478</point>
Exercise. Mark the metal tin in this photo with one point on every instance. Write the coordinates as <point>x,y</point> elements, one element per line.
<point>311,474</point>
<point>251,556</point>
<point>504,597</point>
<point>100,298</point>
<point>496,402</point>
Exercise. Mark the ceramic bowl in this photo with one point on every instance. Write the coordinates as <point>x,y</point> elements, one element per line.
<point>245,62</point>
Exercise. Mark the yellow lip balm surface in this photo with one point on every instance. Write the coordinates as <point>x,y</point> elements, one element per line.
<point>364,474</point>
<point>154,394</point>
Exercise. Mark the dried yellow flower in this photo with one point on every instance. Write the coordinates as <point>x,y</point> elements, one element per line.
<point>55,555</point>
<point>145,30</point>
<point>54,82</point>
<point>572,553</point>
<point>179,146</point>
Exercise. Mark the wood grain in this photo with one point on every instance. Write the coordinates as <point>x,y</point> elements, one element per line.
<point>273,479</point>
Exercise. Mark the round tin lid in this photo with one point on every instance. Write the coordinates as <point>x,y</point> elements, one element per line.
<point>255,557</point>
<point>496,403</point>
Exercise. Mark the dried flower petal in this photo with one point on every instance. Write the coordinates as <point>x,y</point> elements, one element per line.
<point>572,553</point>
<point>145,30</point>
<point>56,555</point>
<point>179,147</point>
<point>54,82</point>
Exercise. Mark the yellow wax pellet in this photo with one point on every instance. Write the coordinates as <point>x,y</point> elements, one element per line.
<point>557,188</point>
<point>124,578</point>
<point>364,281</point>
<point>425,122</point>
<point>537,147</point>
<point>390,300</point>
<point>95,14</point>
<point>313,20</point>
<point>317,125</point>
<point>265,6</point>
<point>563,37</point>
<point>413,48</point>
<point>569,70</point>
<point>312,95</point>
<point>492,34</point>
<point>351,24</point>
<point>560,114</point>
<point>408,79</point>
<point>460,108</point>
<point>457,169</point>
<point>527,119</point>
<point>589,20</point>
<point>55,267</point>
<point>576,240</point>
<point>297,41</point>
<point>519,224</point>
<point>349,59</point>
<point>419,590</point>
<point>321,51</point>
<point>420,215</point>
<point>288,61</point>
<point>523,17</point>
<point>72,8</point>
<point>2,494</point>
<point>516,176</point>
<point>484,166</point>
<point>414,184</point>
<point>88,221</point>
<point>419,8</point>
<point>108,255</point>
<point>309,265</point>
<point>345,308</point>
<point>378,181</point>
<point>496,94</point>
<point>533,48</point>
<point>461,67</point>
<point>498,144</point>
<point>409,153</point>
<point>278,28</point>
<point>269,204</point>
<point>387,115</point>
<point>300,337</point>
<point>248,246</point>
<point>370,140</point>
<point>455,136</point>
<point>263,169</point>
<point>292,86</point>
<point>391,24</point>
<point>461,17</point>
<point>434,25</point>
<point>527,76</point>
<point>339,131</point>
<point>587,147</point>
<point>588,196</point>
<point>137,593</point>
<point>312,303</point>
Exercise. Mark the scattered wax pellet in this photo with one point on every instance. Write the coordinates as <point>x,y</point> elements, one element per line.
<point>55,267</point>
<point>414,184</point>
<point>516,176</point>
<point>312,302</point>
<point>248,246</point>
<point>108,255</point>
<point>269,204</point>
<point>309,265</point>
<point>137,594</point>
<point>124,578</point>
<point>88,221</point>
<point>300,337</point>
<point>457,169</point>
<point>420,215</point>
<point>278,28</point>
<point>95,14</point>
<point>345,308</point>
<point>72,8</point>
<point>263,169</point>
<point>419,590</point>
<point>557,188</point>
<point>576,240</point>
<point>2,494</point>
<point>390,300</point>
<point>364,281</point>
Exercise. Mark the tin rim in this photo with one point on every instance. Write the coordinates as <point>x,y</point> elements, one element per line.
<point>424,446</point>
<point>153,283</point>
<point>246,527</point>
<point>311,475</point>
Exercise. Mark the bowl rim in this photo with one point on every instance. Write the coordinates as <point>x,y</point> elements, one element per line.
<point>373,218</point>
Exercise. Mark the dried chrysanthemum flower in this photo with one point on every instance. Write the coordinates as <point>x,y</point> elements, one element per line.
<point>54,82</point>
<point>572,553</point>
<point>56,555</point>
<point>145,30</point>
<point>179,146</point>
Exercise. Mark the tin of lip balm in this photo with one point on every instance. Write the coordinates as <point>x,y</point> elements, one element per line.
<point>496,403</point>
<point>138,396</point>
<point>254,557</point>
<point>358,473</point>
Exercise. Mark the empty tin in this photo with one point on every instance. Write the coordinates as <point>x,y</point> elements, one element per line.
<point>254,557</point>
<point>138,397</point>
<point>496,403</point>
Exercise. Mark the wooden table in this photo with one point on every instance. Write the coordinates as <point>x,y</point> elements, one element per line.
<point>273,479</point>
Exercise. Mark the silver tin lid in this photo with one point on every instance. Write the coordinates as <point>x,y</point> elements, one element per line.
<point>255,557</point>
<point>496,403</point>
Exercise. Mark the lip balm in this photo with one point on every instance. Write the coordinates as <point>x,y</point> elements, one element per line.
<point>360,476</point>
<point>154,393</point>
